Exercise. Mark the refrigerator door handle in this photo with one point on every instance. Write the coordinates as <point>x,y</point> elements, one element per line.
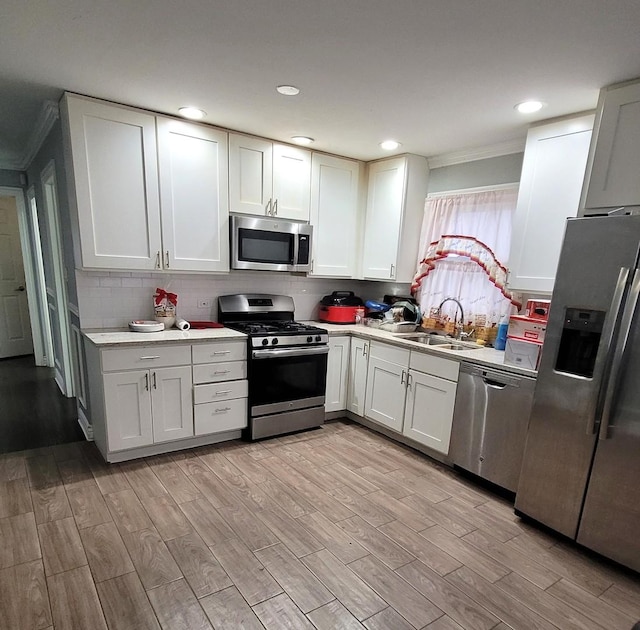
<point>618,355</point>
<point>607,336</point>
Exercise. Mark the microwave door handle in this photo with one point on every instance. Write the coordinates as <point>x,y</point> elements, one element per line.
<point>604,356</point>
<point>618,355</point>
<point>296,248</point>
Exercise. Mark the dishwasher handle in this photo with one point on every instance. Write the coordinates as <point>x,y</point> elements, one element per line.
<point>495,384</point>
<point>497,379</point>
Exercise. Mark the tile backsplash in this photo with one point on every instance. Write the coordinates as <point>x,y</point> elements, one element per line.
<point>113,299</point>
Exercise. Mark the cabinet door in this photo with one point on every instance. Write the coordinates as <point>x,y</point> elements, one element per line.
<point>357,386</point>
<point>337,374</point>
<point>386,389</point>
<point>194,196</point>
<point>428,414</point>
<point>553,169</point>
<point>171,403</point>
<point>291,182</point>
<point>250,175</point>
<point>613,179</point>
<point>334,216</point>
<point>114,159</point>
<point>385,199</point>
<point>127,400</point>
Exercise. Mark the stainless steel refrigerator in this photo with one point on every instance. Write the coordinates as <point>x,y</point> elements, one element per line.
<point>581,469</point>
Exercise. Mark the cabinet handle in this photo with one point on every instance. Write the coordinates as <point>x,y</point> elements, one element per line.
<point>222,371</point>
<point>267,209</point>
<point>150,357</point>
<point>155,385</point>
<point>146,382</point>
<point>391,273</point>
<point>221,352</point>
<point>221,410</point>
<point>312,261</point>
<point>158,259</point>
<point>402,378</point>
<point>167,259</point>
<point>364,350</point>
<point>222,392</point>
<point>409,380</point>
<point>275,208</point>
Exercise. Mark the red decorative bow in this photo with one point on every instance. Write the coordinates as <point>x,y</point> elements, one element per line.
<point>161,295</point>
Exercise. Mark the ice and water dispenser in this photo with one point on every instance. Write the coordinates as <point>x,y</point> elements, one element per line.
<point>579,341</point>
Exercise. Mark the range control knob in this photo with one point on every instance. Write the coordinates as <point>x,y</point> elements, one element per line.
<point>265,342</point>
<point>309,339</point>
<point>318,338</point>
<point>274,342</point>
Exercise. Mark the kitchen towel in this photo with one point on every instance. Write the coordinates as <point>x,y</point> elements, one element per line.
<point>182,324</point>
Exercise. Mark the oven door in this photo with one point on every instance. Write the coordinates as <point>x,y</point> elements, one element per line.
<point>286,379</point>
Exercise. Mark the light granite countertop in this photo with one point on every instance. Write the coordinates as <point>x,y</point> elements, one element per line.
<point>124,337</point>
<point>489,357</point>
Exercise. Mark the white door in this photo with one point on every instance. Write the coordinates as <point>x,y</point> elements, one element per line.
<point>171,403</point>
<point>428,414</point>
<point>385,202</point>
<point>337,374</point>
<point>357,387</point>
<point>386,389</point>
<point>193,196</point>
<point>115,167</point>
<point>291,182</point>
<point>250,175</point>
<point>56,280</point>
<point>334,216</point>
<point>15,327</point>
<point>127,400</point>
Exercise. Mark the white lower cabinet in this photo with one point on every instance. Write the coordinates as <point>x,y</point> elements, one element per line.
<point>386,384</point>
<point>358,367</point>
<point>148,406</point>
<point>337,374</point>
<point>412,393</point>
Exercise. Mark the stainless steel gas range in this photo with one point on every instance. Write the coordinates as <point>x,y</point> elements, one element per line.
<point>287,363</point>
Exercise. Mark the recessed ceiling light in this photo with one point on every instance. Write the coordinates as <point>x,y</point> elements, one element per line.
<point>193,113</point>
<point>389,145</point>
<point>288,90</point>
<point>302,139</point>
<point>529,107</point>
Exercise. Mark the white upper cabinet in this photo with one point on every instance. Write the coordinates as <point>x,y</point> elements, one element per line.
<point>395,205</point>
<point>113,171</point>
<point>268,179</point>
<point>334,216</point>
<point>613,171</point>
<point>193,196</point>
<point>553,170</point>
<point>132,214</point>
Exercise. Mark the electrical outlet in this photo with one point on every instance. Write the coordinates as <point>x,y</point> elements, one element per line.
<point>204,303</point>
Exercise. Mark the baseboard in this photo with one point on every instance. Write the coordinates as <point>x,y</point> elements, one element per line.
<point>85,425</point>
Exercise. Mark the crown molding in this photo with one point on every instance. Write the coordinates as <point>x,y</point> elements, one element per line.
<point>478,153</point>
<point>49,113</point>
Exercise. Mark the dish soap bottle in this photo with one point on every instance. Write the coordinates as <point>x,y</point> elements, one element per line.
<point>501,338</point>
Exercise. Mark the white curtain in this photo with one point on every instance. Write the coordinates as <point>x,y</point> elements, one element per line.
<point>486,217</point>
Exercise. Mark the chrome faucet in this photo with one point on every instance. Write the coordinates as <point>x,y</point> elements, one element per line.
<point>450,299</point>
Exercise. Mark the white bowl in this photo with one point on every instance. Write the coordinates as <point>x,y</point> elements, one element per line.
<point>145,325</point>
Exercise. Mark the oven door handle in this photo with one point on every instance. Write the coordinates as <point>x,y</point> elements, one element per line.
<point>276,353</point>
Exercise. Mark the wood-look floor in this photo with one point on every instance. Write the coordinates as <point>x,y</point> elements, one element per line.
<point>337,528</point>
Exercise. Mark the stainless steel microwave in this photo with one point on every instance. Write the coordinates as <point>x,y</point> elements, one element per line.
<point>270,244</point>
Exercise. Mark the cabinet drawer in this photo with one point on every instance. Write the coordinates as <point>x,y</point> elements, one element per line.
<point>226,390</point>
<point>436,366</point>
<point>387,352</point>
<point>214,372</point>
<point>215,417</point>
<point>117,359</point>
<point>222,351</point>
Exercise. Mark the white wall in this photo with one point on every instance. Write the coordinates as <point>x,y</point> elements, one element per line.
<point>113,299</point>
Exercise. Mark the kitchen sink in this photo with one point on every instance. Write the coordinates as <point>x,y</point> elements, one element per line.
<point>445,343</point>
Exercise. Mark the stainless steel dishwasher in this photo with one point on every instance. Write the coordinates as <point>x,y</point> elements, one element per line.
<point>490,420</point>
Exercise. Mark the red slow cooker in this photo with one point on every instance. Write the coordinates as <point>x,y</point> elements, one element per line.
<point>340,307</point>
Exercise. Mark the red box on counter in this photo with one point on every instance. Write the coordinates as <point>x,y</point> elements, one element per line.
<point>538,309</point>
<point>527,328</point>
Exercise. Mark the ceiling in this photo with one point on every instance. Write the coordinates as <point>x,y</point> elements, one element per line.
<point>440,76</point>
